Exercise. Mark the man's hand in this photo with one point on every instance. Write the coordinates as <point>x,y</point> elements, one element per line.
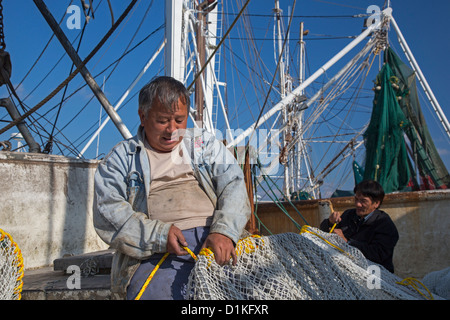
<point>222,246</point>
<point>340,234</point>
<point>175,242</point>
<point>335,217</point>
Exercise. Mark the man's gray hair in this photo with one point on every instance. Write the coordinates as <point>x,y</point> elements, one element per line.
<point>167,90</point>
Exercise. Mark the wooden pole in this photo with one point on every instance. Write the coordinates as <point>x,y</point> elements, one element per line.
<point>199,94</point>
<point>251,224</point>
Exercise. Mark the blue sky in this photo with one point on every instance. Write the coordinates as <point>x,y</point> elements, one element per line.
<point>424,25</point>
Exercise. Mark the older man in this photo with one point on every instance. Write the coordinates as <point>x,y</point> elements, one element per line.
<point>165,189</point>
<point>366,227</point>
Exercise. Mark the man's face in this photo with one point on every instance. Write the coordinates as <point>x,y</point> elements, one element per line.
<point>365,205</point>
<point>164,129</point>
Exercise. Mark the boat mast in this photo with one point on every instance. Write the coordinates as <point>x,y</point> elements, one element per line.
<point>174,63</point>
<point>299,122</point>
<point>206,42</point>
<point>199,94</point>
<point>284,158</point>
<point>293,100</point>
<point>301,154</point>
<point>182,56</point>
<point>295,93</point>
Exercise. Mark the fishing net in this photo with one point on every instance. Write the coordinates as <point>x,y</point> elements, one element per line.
<point>312,265</point>
<point>397,113</point>
<point>11,268</point>
<point>438,282</point>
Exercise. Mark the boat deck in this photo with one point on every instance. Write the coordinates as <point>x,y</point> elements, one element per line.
<point>57,283</point>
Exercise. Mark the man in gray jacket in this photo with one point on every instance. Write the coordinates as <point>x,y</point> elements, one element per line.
<point>167,188</point>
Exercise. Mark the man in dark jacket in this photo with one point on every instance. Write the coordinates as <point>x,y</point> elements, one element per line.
<point>366,227</point>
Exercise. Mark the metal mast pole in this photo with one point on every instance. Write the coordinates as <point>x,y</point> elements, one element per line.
<point>299,121</point>
<point>300,145</point>
<point>295,93</point>
<point>122,99</point>
<point>174,60</point>
<point>279,44</point>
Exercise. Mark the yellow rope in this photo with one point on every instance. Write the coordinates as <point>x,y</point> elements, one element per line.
<point>150,277</point>
<point>305,229</point>
<point>20,266</point>
<point>332,228</point>
<point>405,282</point>
<point>413,283</point>
<point>207,252</point>
<point>330,204</point>
<point>191,253</point>
<point>247,246</point>
<point>243,244</point>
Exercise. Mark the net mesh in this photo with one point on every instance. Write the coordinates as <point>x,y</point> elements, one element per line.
<point>439,282</point>
<point>11,268</point>
<point>312,265</point>
<point>397,114</point>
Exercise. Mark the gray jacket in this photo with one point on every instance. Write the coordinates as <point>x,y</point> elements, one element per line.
<point>122,184</point>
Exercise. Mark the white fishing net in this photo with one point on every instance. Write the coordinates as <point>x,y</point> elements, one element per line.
<point>310,265</point>
<point>11,268</point>
<point>438,282</point>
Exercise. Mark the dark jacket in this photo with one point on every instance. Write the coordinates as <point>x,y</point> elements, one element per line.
<point>375,238</point>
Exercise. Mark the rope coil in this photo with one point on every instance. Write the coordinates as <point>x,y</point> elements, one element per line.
<point>413,282</point>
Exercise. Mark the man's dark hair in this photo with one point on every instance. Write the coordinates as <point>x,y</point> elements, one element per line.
<point>167,90</point>
<point>371,189</point>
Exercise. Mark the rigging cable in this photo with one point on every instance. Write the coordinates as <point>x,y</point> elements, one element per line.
<point>83,63</point>
<point>42,52</point>
<point>273,80</point>
<point>115,63</point>
<point>301,16</point>
<point>96,76</point>
<point>110,65</point>
<point>35,121</point>
<point>218,46</point>
<point>356,92</point>
<point>90,129</point>
<point>276,71</point>
<point>49,145</point>
<point>55,65</point>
